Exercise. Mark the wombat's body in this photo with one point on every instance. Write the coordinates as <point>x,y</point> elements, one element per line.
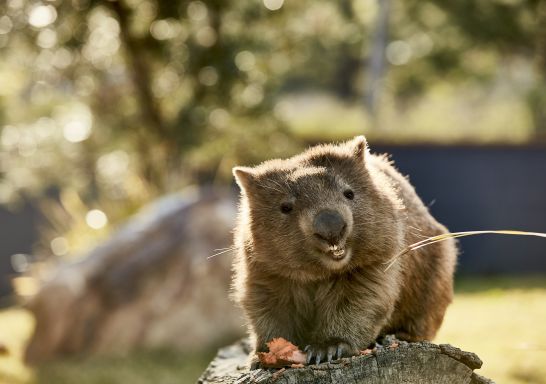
<point>313,236</point>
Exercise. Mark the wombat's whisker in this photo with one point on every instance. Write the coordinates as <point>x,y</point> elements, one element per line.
<point>270,187</point>
<point>222,251</point>
<point>282,188</point>
<point>454,235</point>
<point>419,232</point>
<point>365,223</point>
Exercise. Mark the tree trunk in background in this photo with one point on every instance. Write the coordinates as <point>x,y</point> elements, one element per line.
<point>376,62</point>
<point>149,285</point>
<point>152,119</point>
<point>540,107</point>
<point>140,71</point>
<point>408,363</point>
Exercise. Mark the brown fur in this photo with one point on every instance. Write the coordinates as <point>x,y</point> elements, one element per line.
<point>290,287</point>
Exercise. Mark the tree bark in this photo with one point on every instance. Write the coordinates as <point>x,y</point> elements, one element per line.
<point>152,119</point>
<point>408,363</point>
<point>140,71</point>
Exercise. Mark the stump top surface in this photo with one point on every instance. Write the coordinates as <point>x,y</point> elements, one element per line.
<point>408,363</point>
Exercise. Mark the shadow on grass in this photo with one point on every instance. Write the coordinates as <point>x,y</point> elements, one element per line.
<point>144,367</point>
<point>465,284</point>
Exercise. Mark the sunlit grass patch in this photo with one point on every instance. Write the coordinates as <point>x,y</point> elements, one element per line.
<point>15,328</point>
<point>503,320</point>
<point>142,367</point>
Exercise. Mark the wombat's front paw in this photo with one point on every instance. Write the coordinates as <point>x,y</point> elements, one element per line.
<point>329,351</point>
<point>253,362</point>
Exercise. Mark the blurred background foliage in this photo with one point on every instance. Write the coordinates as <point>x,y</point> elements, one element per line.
<point>107,104</point>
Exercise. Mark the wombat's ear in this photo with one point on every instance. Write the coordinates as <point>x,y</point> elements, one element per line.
<point>244,176</point>
<point>360,147</point>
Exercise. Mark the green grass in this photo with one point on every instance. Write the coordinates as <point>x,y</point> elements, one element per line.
<point>151,367</point>
<point>141,367</point>
<point>503,320</point>
<point>15,328</point>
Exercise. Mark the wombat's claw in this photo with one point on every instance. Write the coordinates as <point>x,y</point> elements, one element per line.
<point>328,352</point>
<point>254,363</point>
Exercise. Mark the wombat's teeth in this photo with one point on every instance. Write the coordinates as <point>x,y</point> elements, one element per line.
<point>337,251</point>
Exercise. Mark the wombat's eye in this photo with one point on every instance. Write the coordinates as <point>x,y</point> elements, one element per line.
<point>287,208</point>
<point>349,194</point>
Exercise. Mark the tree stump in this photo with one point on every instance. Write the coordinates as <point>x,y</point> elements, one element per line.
<point>402,362</point>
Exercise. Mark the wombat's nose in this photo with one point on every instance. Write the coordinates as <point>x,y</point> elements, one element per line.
<point>329,226</point>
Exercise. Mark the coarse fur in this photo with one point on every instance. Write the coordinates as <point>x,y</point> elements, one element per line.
<point>292,283</point>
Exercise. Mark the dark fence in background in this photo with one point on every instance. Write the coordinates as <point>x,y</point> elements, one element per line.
<point>18,234</point>
<point>467,188</point>
<point>477,188</point>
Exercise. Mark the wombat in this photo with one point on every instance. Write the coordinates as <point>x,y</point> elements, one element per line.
<point>313,237</point>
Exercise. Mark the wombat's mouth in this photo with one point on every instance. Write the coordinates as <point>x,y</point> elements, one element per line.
<point>335,257</point>
<point>336,252</point>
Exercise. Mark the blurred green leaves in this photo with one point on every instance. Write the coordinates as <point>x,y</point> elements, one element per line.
<point>107,104</point>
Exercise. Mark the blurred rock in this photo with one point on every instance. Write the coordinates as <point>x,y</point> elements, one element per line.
<point>150,285</point>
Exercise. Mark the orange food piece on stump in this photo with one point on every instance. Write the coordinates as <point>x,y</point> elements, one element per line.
<point>281,353</point>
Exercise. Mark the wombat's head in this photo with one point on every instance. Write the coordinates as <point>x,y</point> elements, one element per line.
<point>318,213</point>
